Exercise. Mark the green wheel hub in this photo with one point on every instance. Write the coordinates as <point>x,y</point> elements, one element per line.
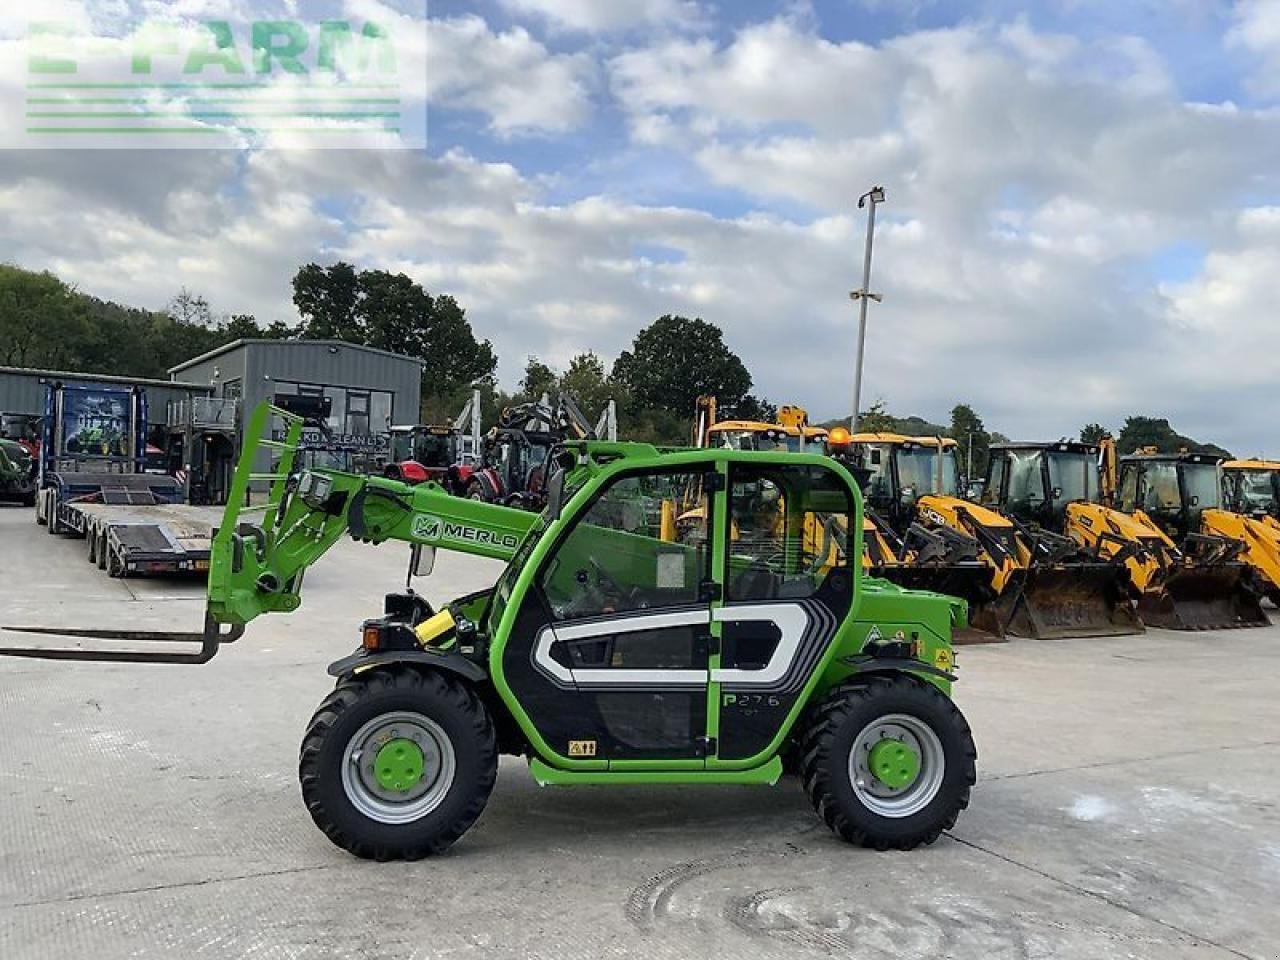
<point>894,763</point>
<point>398,765</point>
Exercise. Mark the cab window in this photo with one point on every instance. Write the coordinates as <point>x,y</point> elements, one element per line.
<point>789,530</point>
<point>641,545</point>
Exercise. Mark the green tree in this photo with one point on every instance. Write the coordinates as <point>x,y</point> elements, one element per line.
<point>1093,433</point>
<point>876,419</point>
<point>674,361</point>
<point>587,382</point>
<point>327,299</point>
<point>538,379</point>
<point>242,326</point>
<point>1139,432</point>
<point>43,323</point>
<point>393,312</point>
<point>968,430</point>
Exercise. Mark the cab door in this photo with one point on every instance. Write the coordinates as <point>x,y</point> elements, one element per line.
<point>789,585</point>
<point>615,636</point>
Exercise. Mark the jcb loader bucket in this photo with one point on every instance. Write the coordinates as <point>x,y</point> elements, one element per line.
<point>1204,597</point>
<point>970,582</point>
<point>1075,600</point>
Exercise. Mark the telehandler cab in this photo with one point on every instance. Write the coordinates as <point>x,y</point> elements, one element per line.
<point>605,653</point>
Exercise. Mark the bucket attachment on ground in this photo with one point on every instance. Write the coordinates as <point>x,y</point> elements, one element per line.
<point>210,640</point>
<point>1075,600</point>
<point>1204,597</point>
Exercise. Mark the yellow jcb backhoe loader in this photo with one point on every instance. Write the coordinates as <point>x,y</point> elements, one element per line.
<point>1042,488</point>
<point>1253,495</point>
<point>943,543</point>
<point>1208,584</point>
<point>1044,586</point>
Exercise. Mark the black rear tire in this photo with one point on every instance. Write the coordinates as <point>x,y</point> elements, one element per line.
<point>447,703</point>
<point>831,736</point>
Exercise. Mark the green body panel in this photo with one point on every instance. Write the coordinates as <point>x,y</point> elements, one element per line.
<point>259,571</point>
<point>766,775</point>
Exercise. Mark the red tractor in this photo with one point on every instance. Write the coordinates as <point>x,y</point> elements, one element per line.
<point>421,453</point>
<point>514,468</point>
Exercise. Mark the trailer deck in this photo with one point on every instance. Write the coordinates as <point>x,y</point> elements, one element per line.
<point>130,522</point>
<point>133,540</point>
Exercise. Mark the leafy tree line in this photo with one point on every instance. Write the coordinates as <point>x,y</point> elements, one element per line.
<point>1139,432</point>
<point>47,323</point>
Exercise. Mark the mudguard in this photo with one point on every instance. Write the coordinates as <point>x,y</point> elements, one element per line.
<point>450,661</point>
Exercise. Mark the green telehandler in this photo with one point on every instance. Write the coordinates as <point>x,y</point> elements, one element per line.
<point>610,650</point>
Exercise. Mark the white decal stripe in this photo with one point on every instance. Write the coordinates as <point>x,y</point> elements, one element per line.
<point>603,628</point>
<point>632,624</point>
<point>791,619</point>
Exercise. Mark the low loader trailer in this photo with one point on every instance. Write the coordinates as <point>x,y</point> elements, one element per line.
<point>93,484</point>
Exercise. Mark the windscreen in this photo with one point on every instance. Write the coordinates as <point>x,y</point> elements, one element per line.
<point>918,469</point>
<point>434,451</point>
<point>1075,476</point>
<point>1160,488</point>
<point>1026,483</point>
<point>1203,486</point>
<point>756,440</point>
<point>1255,491</point>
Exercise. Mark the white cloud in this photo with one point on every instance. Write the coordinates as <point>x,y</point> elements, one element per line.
<point>1035,184</point>
<point>1256,30</point>
<point>603,16</point>
<point>509,77</point>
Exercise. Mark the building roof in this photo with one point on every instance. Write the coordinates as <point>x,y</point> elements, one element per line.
<point>103,378</point>
<point>246,341</point>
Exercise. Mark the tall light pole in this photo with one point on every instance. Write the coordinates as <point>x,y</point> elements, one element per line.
<point>873,196</point>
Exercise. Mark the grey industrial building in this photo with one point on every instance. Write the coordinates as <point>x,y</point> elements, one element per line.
<point>198,416</point>
<point>369,389</point>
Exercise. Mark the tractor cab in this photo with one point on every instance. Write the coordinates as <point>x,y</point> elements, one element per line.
<point>1034,482</point>
<point>1173,489</point>
<point>1253,487</point>
<point>436,448</point>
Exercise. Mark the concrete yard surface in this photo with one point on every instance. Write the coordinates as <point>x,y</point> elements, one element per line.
<point>1128,806</point>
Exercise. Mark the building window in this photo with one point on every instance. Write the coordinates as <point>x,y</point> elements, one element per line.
<point>358,414</point>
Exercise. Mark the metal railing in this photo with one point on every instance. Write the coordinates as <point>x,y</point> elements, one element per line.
<point>208,413</point>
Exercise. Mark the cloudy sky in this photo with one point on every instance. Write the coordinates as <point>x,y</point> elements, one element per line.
<point>1083,216</point>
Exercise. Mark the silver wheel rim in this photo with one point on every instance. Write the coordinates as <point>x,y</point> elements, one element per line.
<point>897,802</point>
<point>396,807</point>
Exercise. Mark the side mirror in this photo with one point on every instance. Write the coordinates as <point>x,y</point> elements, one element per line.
<point>1056,493</point>
<point>907,494</point>
<point>1195,501</point>
<point>555,494</point>
<point>422,560</point>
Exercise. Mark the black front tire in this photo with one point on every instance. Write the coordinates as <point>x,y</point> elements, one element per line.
<point>453,706</point>
<point>831,736</point>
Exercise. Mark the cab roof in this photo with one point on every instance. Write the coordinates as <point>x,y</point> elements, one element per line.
<point>759,426</point>
<point>899,439</point>
<point>1208,458</point>
<point>1062,446</point>
<point>1259,465</point>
